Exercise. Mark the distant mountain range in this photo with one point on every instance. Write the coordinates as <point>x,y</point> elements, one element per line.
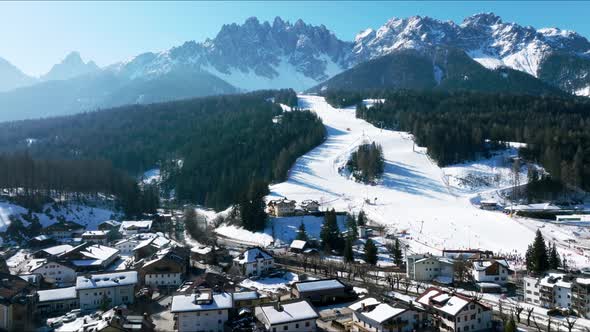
<point>481,53</point>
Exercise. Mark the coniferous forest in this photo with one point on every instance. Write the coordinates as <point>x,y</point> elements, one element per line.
<point>366,163</point>
<point>210,150</point>
<point>456,126</point>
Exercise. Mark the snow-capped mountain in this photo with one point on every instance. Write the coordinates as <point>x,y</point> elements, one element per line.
<point>253,55</point>
<point>11,77</point>
<point>71,66</point>
<point>489,41</point>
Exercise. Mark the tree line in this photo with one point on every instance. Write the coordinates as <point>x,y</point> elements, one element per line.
<point>366,163</point>
<point>210,150</point>
<point>460,126</point>
<point>31,181</point>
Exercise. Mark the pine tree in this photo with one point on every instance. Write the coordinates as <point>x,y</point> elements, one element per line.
<point>554,259</point>
<point>352,228</point>
<point>370,252</point>
<point>361,219</point>
<point>397,254</point>
<point>301,233</point>
<point>330,233</point>
<point>348,254</point>
<point>537,257</point>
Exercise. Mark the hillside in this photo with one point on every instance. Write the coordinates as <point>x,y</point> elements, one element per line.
<point>441,69</point>
<point>196,143</point>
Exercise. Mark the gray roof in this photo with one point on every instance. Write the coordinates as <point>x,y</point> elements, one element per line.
<point>318,285</point>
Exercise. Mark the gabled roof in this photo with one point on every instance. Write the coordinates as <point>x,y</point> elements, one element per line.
<point>298,244</point>
<point>318,285</point>
<point>449,303</point>
<point>483,264</point>
<point>382,312</point>
<point>106,280</point>
<point>252,255</point>
<point>290,312</point>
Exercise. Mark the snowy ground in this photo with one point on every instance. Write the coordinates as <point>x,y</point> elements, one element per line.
<point>81,214</point>
<point>271,285</point>
<point>284,230</point>
<point>413,195</point>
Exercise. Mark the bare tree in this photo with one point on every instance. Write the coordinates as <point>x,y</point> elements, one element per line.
<point>503,315</point>
<point>406,283</point>
<point>529,312</point>
<point>536,324</point>
<point>570,323</point>
<point>517,311</point>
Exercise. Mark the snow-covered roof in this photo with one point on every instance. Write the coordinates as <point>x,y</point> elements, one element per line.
<point>57,294</point>
<point>481,265</point>
<point>135,224</point>
<point>203,250</point>
<point>56,250</point>
<point>251,255</point>
<point>318,285</point>
<point>291,312</point>
<point>382,312</point>
<point>242,296</point>
<point>107,280</point>
<point>95,233</point>
<point>446,302</point>
<point>42,237</point>
<point>369,301</point>
<point>95,255</point>
<point>187,303</point>
<point>111,222</point>
<point>298,244</point>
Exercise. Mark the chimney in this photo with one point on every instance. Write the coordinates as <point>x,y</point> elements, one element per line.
<point>363,307</point>
<point>278,306</point>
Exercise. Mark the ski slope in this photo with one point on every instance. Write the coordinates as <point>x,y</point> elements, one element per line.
<point>412,195</point>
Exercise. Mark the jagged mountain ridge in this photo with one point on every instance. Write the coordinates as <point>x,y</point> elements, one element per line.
<point>11,77</point>
<point>71,66</point>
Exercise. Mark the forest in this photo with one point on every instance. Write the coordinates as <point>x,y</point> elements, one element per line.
<point>459,126</point>
<point>210,150</point>
<point>33,182</point>
<point>366,163</point>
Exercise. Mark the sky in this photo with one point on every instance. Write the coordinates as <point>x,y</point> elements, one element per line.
<point>36,35</point>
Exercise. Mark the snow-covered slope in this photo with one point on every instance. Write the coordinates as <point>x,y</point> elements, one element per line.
<point>412,196</point>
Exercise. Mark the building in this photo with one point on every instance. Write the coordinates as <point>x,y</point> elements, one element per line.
<point>90,257</point>
<point>64,230</point>
<point>109,225</point>
<point>128,228</point>
<point>54,251</point>
<point>249,299</point>
<point>58,301</point>
<point>53,271</point>
<point>166,269</point>
<point>488,205</point>
<point>490,271</point>
<point>310,206</point>
<point>455,311</point>
<point>558,290</point>
<point>202,311</point>
<point>110,289</point>
<point>96,237</point>
<point>281,207</point>
<point>372,315</point>
<point>323,291</point>
<point>126,246</point>
<point>17,303</point>
<point>298,246</point>
<point>254,262</point>
<point>296,315</point>
<point>430,268</point>
<point>41,241</point>
<point>467,254</point>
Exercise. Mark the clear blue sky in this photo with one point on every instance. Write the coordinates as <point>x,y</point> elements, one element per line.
<point>35,35</point>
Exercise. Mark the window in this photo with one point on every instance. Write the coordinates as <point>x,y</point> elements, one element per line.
<point>296,326</point>
<point>219,312</point>
<point>285,328</point>
<point>306,324</point>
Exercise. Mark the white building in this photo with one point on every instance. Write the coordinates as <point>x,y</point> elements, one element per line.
<point>57,301</point>
<point>53,272</point>
<point>296,315</point>
<point>202,311</point>
<point>456,312</point>
<point>126,246</point>
<point>113,288</point>
<point>281,207</point>
<point>372,315</point>
<point>430,268</point>
<point>490,270</point>
<point>97,237</point>
<point>254,262</point>
<point>135,226</point>
<point>558,290</point>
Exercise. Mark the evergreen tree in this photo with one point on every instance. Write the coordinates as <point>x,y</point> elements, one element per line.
<point>554,259</point>
<point>397,254</point>
<point>330,233</point>
<point>348,253</point>
<point>352,228</point>
<point>370,252</point>
<point>301,233</point>
<point>537,257</point>
<point>361,219</point>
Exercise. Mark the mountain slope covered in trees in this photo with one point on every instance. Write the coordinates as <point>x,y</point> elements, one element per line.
<point>209,149</point>
<point>441,69</point>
